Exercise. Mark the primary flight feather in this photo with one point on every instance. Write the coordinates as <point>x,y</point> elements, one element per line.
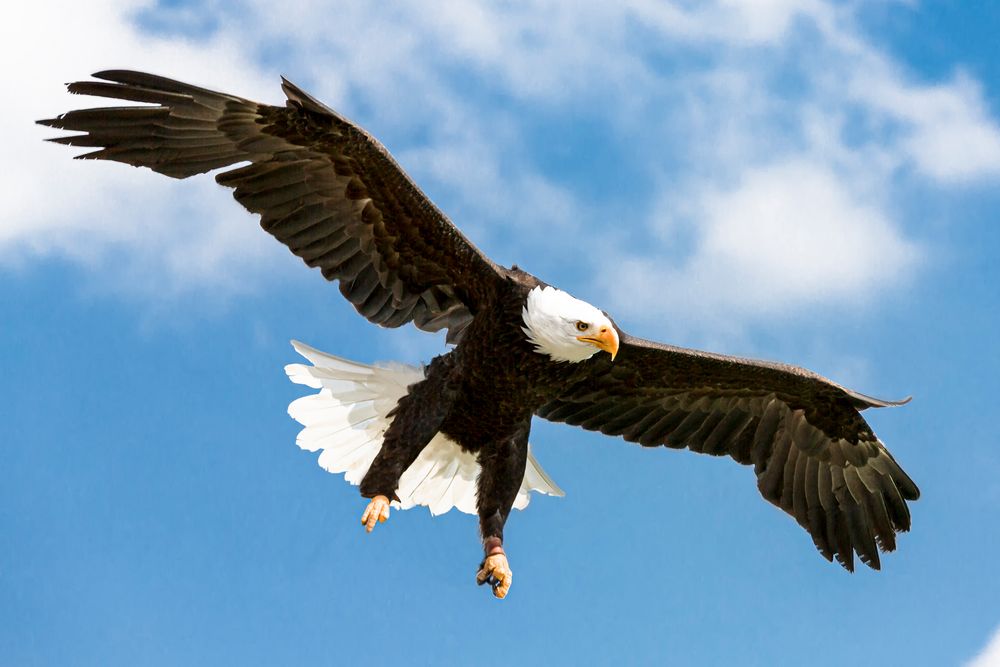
<point>455,433</point>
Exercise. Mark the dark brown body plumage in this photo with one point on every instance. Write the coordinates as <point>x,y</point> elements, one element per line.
<point>482,395</point>
<point>336,198</point>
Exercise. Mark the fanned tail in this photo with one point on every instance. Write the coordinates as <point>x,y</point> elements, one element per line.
<point>348,417</point>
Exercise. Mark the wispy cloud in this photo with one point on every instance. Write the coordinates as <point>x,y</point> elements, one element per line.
<point>990,655</point>
<point>946,131</point>
<point>163,237</point>
<point>732,22</point>
<point>755,152</point>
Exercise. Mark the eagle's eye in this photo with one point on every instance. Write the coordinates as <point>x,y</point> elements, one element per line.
<point>582,326</point>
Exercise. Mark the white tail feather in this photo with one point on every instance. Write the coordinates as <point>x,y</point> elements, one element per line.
<point>349,416</point>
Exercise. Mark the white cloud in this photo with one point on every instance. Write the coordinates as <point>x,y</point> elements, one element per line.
<point>797,229</point>
<point>990,655</point>
<point>947,131</point>
<point>783,236</point>
<point>167,237</point>
<point>744,22</point>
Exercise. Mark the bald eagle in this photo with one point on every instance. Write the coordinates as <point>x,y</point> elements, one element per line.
<point>455,433</point>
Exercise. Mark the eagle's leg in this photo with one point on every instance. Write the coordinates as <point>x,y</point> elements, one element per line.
<point>415,420</point>
<point>502,470</point>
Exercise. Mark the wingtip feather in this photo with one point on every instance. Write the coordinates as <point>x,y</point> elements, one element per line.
<point>863,401</point>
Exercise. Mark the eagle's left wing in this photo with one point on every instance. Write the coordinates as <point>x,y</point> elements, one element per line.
<point>814,455</point>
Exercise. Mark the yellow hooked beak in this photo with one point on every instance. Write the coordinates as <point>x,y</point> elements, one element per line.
<point>605,339</point>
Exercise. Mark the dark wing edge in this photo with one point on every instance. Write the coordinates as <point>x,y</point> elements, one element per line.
<point>814,456</point>
<point>322,186</point>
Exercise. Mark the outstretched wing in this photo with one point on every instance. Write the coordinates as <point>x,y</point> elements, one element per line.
<point>322,186</point>
<point>814,455</point>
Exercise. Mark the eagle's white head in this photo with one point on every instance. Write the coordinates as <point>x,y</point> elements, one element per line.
<point>566,328</point>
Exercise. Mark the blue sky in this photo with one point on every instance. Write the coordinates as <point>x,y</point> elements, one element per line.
<point>799,180</point>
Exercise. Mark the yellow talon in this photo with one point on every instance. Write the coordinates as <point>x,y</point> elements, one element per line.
<point>376,512</point>
<point>497,573</point>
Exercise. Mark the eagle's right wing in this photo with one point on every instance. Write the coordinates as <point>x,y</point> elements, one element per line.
<point>322,186</point>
